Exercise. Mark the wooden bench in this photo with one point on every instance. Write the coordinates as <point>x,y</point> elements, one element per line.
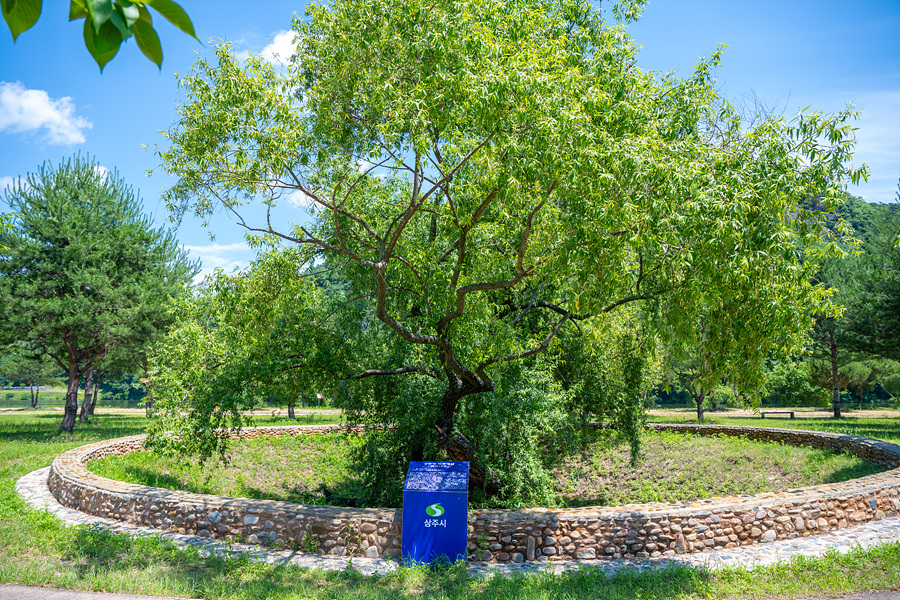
<point>762,415</point>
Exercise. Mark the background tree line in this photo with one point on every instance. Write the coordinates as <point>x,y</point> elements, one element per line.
<point>851,357</point>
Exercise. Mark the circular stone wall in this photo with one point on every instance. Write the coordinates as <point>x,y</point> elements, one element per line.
<point>637,530</point>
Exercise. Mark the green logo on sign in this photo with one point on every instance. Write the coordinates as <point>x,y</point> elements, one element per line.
<point>435,510</point>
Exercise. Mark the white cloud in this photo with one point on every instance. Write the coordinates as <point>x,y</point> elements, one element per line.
<point>23,110</point>
<point>7,181</point>
<point>280,49</point>
<point>101,172</point>
<point>228,257</point>
<point>300,200</point>
<point>364,166</point>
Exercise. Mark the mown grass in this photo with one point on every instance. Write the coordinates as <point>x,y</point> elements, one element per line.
<point>673,467</point>
<point>21,399</point>
<point>676,467</point>
<point>887,429</point>
<point>36,549</point>
<point>291,469</point>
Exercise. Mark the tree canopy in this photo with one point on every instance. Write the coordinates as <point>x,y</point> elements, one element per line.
<point>82,270</point>
<point>243,337</point>
<point>489,174</point>
<point>854,347</point>
<point>874,309</point>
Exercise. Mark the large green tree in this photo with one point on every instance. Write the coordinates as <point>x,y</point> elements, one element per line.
<point>874,309</point>
<point>830,347</point>
<point>865,281</point>
<point>487,173</point>
<point>243,338</point>
<point>83,270</point>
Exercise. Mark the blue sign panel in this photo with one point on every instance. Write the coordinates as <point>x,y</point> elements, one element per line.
<point>435,512</point>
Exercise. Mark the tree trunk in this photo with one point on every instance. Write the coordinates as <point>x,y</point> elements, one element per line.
<point>835,383</point>
<point>31,390</point>
<point>88,394</point>
<point>291,415</point>
<point>458,446</point>
<point>71,410</point>
<point>148,400</point>
<point>460,449</point>
<point>37,393</point>
<point>96,393</point>
<point>712,401</point>
<point>699,395</point>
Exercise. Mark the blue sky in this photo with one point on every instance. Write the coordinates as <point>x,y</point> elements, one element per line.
<point>787,53</point>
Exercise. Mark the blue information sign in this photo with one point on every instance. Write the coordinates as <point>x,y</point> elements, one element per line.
<point>435,512</point>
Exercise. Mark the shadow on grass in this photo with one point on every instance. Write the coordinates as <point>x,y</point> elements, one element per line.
<point>187,573</point>
<point>45,428</point>
<point>345,493</point>
<point>143,476</point>
<point>854,472</point>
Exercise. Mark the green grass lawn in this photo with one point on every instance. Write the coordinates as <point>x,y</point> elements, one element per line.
<point>36,549</point>
<point>672,467</point>
<point>286,468</point>
<point>21,399</point>
<point>887,429</point>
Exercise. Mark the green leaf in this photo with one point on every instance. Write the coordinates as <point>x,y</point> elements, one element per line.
<point>119,22</point>
<point>129,11</point>
<point>77,10</point>
<point>148,42</point>
<point>173,12</point>
<point>101,11</point>
<point>20,15</point>
<point>103,46</point>
<point>145,14</point>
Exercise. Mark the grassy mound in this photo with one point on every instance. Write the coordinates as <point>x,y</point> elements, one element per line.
<point>673,467</point>
<point>676,467</point>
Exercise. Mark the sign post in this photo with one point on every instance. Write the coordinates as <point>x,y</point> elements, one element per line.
<point>435,512</point>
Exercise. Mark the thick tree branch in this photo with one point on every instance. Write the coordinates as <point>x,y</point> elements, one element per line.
<point>400,221</point>
<point>462,292</point>
<point>431,372</point>
<point>545,343</point>
<point>443,180</point>
<point>461,242</point>
<point>448,357</point>
<point>62,365</point>
<point>298,185</point>
<point>309,239</point>
<point>542,304</point>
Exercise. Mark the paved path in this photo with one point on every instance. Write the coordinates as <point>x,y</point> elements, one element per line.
<point>33,487</point>
<point>21,592</point>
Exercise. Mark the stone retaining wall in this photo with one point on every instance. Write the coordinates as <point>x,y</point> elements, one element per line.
<point>642,530</point>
